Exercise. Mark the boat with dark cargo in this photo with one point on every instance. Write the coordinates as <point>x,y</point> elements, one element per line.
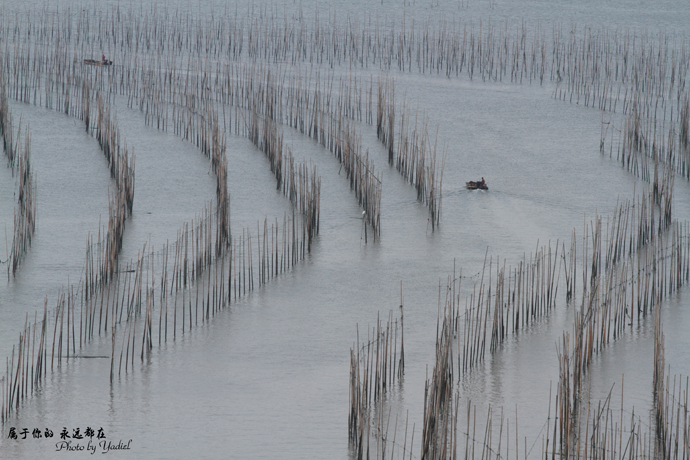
<point>478,185</point>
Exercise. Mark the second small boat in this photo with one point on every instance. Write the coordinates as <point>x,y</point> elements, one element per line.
<point>102,62</point>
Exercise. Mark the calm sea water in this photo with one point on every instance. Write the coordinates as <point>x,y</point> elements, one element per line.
<point>268,377</point>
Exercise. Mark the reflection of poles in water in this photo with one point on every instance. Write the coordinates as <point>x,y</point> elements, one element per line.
<point>364,227</point>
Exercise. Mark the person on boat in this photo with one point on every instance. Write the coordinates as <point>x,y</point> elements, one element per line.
<point>483,182</point>
<point>104,61</point>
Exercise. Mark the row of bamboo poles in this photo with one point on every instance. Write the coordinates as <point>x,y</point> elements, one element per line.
<point>596,67</point>
<point>577,430</point>
<point>647,144</point>
<point>505,300</point>
<point>121,166</point>
<point>77,99</point>
<point>414,158</point>
<point>493,50</point>
<point>19,162</point>
<point>274,255</point>
<point>644,258</point>
<point>599,431</point>
<point>183,284</point>
<point>25,214</point>
<point>197,285</point>
<point>9,139</point>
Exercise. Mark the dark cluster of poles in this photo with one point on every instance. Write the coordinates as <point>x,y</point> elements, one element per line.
<point>374,367</point>
<point>439,428</point>
<point>385,114</point>
<point>6,128</point>
<point>670,403</point>
<point>25,214</point>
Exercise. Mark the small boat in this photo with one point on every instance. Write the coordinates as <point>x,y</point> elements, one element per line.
<point>98,63</point>
<point>478,185</point>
